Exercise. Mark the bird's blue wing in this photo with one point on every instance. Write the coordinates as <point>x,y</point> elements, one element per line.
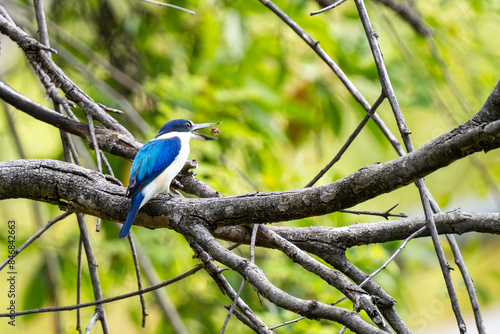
<point>152,159</point>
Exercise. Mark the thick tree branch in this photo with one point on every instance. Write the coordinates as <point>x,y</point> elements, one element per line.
<point>77,189</point>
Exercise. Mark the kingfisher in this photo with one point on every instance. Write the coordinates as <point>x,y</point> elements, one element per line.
<point>158,162</point>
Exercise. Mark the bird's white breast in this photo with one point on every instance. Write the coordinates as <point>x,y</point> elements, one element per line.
<point>162,181</point>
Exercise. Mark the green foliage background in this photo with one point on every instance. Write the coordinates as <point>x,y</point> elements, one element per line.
<point>284,114</point>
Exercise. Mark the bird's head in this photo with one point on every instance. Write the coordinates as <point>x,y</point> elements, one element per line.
<point>185,125</point>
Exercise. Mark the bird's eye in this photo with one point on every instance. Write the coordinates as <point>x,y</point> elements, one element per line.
<point>188,125</point>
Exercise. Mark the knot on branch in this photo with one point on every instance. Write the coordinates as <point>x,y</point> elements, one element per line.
<point>243,265</point>
<point>313,305</point>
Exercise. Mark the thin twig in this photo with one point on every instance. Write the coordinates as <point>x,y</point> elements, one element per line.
<point>98,224</point>
<point>459,260</point>
<point>216,273</point>
<point>288,322</point>
<point>97,151</point>
<point>94,143</point>
<point>169,5</point>
<point>13,130</point>
<point>106,163</point>
<point>337,70</point>
<point>110,299</point>
<point>110,172</point>
<point>93,321</point>
<point>72,149</point>
<point>231,309</point>
<point>445,267</point>
<point>252,260</point>
<point>253,239</point>
<point>469,284</point>
<point>393,256</point>
<point>109,109</point>
<point>349,141</point>
<point>333,5</point>
<point>92,264</point>
<point>139,280</point>
<point>42,25</point>
<point>161,295</point>
<point>79,285</point>
<point>386,214</point>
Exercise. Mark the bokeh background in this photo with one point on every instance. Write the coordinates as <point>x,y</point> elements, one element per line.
<point>284,116</point>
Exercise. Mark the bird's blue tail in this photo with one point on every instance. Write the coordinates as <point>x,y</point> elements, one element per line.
<point>132,212</point>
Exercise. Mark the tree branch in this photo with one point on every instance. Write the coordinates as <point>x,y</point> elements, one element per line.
<point>77,189</point>
<point>453,222</point>
<point>32,48</point>
<point>336,69</point>
<point>109,299</point>
<point>255,276</point>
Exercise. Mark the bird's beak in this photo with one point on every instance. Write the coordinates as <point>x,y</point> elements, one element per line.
<point>201,136</point>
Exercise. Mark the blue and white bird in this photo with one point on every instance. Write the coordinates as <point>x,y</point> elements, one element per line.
<point>158,162</point>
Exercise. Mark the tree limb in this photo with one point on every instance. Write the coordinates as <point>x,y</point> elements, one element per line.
<point>453,222</point>
<point>255,276</point>
<point>77,189</point>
